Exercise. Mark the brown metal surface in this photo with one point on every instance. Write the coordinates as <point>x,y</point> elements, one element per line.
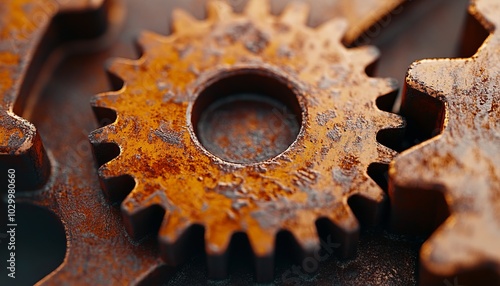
<point>99,250</point>
<point>161,158</point>
<point>30,30</point>
<point>457,172</point>
<point>20,144</point>
<point>26,39</point>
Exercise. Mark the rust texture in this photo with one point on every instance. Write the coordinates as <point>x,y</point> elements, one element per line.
<point>160,157</point>
<point>95,236</point>
<point>99,251</point>
<point>456,173</point>
<point>23,24</point>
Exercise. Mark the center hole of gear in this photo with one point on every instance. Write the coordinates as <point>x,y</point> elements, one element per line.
<point>247,116</point>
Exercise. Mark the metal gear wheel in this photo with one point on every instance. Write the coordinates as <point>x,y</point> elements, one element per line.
<point>461,163</point>
<point>174,179</point>
<point>23,24</point>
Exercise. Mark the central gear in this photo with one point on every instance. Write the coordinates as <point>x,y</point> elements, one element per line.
<point>163,164</point>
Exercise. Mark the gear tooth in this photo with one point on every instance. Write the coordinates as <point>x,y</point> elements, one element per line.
<point>415,71</point>
<point>122,68</point>
<point>111,169</point>
<point>104,148</point>
<point>182,21</point>
<point>371,191</point>
<point>101,135</point>
<point>105,99</point>
<point>103,107</point>
<point>439,240</point>
<point>128,206</point>
<point>147,39</point>
<point>306,237</point>
<point>295,13</point>
<point>333,30</point>
<point>173,250</point>
<point>431,75</point>
<point>413,185</point>
<point>392,83</point>
<point>95,136</point>
<point>262,244</point>
<point>258,8</point>
<point>135,212</point>
<point>385,154</point>
<point>218,10</point>
<point>391,121</point>
<point>368,203</point>
<point>217,240</point>
<point>365,55</point>
<point>384,86</point>
<point>404,168</point>
<point>173,226</point>
<point>397,169</point>
<point>115,184</point>
<point>438,254</point>
<point>486,12</point>
<point>345,230</point>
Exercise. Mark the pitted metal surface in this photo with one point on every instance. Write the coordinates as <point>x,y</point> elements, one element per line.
<point>99,249</point>
<point>155,129</point>
<point>23,48</point>
<point>461,163</point>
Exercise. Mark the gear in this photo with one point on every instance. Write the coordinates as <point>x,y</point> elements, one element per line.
<point>20,145</point>
<point>461,163</point>
<point>162,159</point>
<point>23,49</point>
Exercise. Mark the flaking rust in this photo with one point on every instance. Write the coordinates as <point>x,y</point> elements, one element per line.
<point>163,164</point>
<point>462,163</point>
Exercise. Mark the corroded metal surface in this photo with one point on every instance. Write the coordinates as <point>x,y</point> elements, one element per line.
<point>461,163</point>
<point>98,249</point>
<point>23,24</point>
<point>161,158</point>
<point>95,236</point>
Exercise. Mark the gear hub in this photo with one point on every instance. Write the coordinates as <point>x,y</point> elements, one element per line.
<point>176,178</point>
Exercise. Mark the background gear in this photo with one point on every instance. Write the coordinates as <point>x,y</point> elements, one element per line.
<point>459,167</point>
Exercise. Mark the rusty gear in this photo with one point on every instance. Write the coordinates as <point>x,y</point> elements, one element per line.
<point>23,24</point>
<point>162,159</point>
<point>462,162</point>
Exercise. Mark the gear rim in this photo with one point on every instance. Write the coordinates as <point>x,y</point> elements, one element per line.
<point>243,71</point>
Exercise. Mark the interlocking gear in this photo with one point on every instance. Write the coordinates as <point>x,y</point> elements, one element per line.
<point>161,158</point>
<point>23,23</point>
<point>462,162</point>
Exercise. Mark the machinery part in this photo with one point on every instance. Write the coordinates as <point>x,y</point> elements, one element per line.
<point>459,167</point>
<point>98,251</point>
<point>175,181</point>
<point>25,42</point>
<point>29,30</point>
